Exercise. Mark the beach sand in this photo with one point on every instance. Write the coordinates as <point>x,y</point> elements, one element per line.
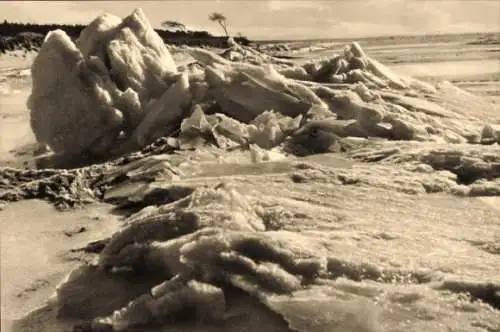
<point>36,240</point>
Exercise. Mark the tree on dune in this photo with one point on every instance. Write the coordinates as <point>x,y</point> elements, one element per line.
<point>221,19</point>
<point>173,25</point>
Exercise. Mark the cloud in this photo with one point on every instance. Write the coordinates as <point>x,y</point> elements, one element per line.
<point>47,12</point>
<point>284,5</point>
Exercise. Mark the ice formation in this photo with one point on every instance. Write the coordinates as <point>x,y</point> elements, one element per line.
<point>118,90</point>
<point>86,93</point>
<point>73,100</point>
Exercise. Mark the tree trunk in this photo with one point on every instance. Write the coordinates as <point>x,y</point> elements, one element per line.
<point>225,29</point>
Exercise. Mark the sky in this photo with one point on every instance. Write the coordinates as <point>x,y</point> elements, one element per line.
<point>282,19</point>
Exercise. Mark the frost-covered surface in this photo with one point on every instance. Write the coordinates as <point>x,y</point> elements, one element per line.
<point>340,195</point>
<point>417,261</point>
<point>302,241</point>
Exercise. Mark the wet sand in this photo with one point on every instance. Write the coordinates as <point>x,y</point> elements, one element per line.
<point>36,241</point>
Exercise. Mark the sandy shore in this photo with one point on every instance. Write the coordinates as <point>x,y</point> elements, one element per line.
<point>36,242</point>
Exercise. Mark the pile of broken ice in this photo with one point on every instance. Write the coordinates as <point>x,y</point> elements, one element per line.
<point>117,88</point>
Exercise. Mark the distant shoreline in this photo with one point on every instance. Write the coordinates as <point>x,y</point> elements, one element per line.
<point>433,37</point>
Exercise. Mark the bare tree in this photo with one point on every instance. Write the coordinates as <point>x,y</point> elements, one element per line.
<point>173,25</point>
<point>221,19</point>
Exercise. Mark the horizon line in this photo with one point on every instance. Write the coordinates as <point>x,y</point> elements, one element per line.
<point>409,35</point>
